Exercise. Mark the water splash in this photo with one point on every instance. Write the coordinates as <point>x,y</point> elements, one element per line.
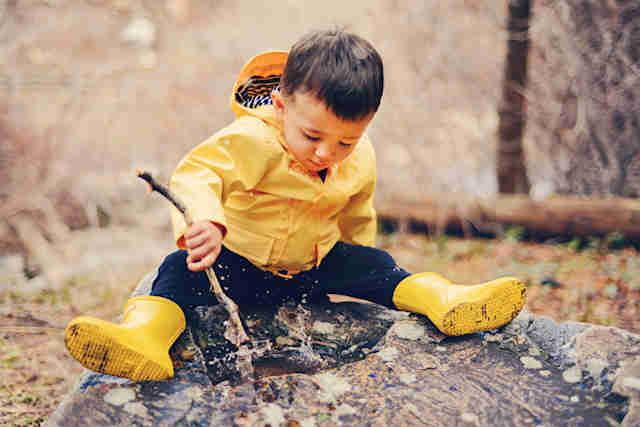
<point>298,321</point>
<point>302,357</point>
<point>247,354</point>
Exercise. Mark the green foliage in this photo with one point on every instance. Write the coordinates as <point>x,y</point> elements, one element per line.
<point>575,244</point>
<point>612,241</point>
<point>515,233</point>
<point>550,281</point>
<point>322,417</point>
<point>387,226</point>
<point>10,355</point>
<point>594,243</point>
<point>441,243</point>
<point>615,240</point>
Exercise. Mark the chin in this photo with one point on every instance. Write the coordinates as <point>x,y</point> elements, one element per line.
<point>324,166</point>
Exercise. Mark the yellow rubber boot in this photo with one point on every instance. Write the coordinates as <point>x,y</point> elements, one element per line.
<point>461,309</point>
<point>138,348</point>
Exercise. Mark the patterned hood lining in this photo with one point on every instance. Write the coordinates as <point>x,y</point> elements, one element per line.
<point>256,91</point>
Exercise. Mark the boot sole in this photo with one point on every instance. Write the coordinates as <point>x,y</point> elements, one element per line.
<point>498,308</point>
<point>97,351</point>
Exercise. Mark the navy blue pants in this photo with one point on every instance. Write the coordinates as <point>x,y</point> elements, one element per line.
<point>358,271</point>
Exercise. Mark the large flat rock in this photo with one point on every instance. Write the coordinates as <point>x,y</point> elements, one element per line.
<point>360,364</point>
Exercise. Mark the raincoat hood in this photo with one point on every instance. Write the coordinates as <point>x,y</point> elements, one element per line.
<point>251,93</point>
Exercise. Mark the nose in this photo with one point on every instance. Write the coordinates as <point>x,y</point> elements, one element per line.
<point>324,152</point>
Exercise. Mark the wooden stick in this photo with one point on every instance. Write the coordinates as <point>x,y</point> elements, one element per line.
<point>235,331</point>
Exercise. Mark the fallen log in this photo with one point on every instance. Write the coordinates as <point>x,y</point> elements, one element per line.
<point>558,215</point>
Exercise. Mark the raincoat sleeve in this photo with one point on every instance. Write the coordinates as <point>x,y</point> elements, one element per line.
<point>203,178</point>
<point>357,221</point>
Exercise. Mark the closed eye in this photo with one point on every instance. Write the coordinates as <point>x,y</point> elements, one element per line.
<point>345,145</point>
<point>311,138</point>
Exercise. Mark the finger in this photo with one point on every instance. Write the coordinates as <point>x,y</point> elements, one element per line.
<point>194,258</point>
<point>201,251</point>
<point>203,264</point>
<point>192,232</point>
<point>195,241</point>
<point>195,266</point>
<point>194,229</point>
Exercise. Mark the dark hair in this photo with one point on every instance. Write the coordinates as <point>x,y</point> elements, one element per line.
<point>341,69</point>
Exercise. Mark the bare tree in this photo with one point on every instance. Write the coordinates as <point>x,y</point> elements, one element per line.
<point>512,175</point>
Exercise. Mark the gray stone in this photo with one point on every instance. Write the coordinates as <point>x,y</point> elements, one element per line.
<point>530,362</point>
<point>364,372</point>
<point>572,375</point>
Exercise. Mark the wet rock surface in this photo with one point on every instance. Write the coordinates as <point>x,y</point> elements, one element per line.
<point>357,364</point>
<point>291,338</point>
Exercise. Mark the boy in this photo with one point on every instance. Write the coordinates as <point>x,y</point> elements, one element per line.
<point>282,201</point>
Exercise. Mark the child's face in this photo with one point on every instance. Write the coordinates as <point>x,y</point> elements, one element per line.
<point>315,136</point>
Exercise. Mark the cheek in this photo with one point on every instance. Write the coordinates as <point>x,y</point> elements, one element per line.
<point>295,141</point>
<point>344,154</point>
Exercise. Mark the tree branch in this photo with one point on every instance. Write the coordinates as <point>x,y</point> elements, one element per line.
<point>235,331</point>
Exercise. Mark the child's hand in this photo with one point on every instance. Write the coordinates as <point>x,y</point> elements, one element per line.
<point>203,240</point>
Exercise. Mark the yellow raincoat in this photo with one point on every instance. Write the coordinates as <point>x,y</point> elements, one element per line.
<point>276,214</point>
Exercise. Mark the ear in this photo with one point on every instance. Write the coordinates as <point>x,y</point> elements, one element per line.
<point>278,103</point>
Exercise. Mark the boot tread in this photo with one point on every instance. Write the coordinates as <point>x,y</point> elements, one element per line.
<point>98,351</point>
<point>498,308</point>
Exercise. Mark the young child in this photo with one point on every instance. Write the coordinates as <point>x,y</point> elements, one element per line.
<point>282,201</point>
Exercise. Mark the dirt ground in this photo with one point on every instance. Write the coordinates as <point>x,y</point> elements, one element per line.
<point>590,285</point>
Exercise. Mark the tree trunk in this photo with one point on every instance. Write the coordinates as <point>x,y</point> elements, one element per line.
<point>512,174</point>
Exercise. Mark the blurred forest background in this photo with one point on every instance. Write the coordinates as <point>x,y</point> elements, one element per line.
<point>91,90</point>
